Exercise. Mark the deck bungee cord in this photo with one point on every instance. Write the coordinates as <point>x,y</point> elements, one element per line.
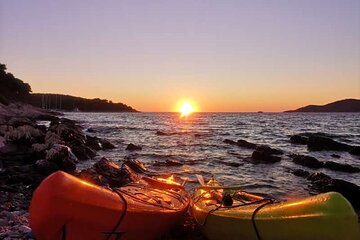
<point>122,192</point>
<point>223,205</point>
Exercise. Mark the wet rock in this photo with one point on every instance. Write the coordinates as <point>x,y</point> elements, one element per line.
<point>341,167</point>
<point>307,161</point>
<point>300,173</point>
<point>107,173</point>
<point>63,157</point>
<point>90,130</point>
<point>168,163</point>
<point>83,152</point>
<point>269,150</point>
<point>160,133</point>
<point>136,165</point>
<point>323,183</point>
<point>106,144</point>
<point>320,143</point>
<point>355,151</point>
<point>133,147</point>
<point>266,154</point>
<point>246,144</point>
<point>52,138</point>
<point>232,164</point>
<point>228,141</point>
<point>46,167</point>
<point>93,142</point>
<point>299,139</point>
<point>335,156</point>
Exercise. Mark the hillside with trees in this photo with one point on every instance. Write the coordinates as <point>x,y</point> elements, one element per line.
<point>13,89</point>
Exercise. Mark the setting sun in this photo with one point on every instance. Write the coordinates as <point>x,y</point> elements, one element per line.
<point>186,109</point>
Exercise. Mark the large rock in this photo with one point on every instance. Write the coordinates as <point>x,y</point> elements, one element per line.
<point>341,167</point>
<point>266,154</point>
<point>299,139</point>
<point>107,173</point>
<point>355,150</point>
<point>46,167</point>
<point>246,144</point>
<point>324,183</point>
<point>63,157</point>
<point>133,147</point>
<point>307,161</point>
<point>319,143</point>
<point>106,144</point>
<point>228,141</point>
<point>83,152</point>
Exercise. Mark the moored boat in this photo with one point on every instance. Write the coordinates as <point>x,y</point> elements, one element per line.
<point>65,207</point>
<point>229,213</point>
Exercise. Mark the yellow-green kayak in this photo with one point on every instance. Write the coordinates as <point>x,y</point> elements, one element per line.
<point>324,216</point>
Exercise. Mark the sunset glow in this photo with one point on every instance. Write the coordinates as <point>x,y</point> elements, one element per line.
<point>231,56</point>
<point>186,109</point>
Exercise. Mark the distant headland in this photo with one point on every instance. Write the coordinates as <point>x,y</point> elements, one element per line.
<point>15,90</point>
<point>346,105</point>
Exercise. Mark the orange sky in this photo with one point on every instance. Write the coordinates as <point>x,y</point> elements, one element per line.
<point>225,56</point>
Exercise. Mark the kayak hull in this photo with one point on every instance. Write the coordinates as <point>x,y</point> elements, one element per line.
<point>325,216</point>
<point>65,207</point>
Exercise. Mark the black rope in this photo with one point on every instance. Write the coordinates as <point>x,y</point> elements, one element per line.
<point>63,236</point>
<point>269,201</point>
<point>113,232</point>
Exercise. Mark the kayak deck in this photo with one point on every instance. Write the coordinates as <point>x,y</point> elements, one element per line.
<point>65,207</point>
<point>324,216</point>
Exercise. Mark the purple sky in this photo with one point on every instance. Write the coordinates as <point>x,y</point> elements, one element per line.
<point>222,55</point>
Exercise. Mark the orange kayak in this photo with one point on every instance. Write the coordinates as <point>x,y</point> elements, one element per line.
<point>65,207</point>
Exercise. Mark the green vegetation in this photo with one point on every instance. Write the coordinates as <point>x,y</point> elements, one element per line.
<point>71,103</point>
<point>12,88</point>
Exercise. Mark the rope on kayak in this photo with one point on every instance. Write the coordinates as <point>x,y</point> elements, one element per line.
<point>264,201</point>
<point>63,236</point>
<point>114,232</point>
<point>269,201</point>
<point>221,206</point>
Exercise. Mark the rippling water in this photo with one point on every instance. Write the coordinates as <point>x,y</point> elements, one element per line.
<point>197,142</point>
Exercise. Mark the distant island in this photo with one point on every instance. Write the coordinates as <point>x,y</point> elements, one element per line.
<point>15,90</point>
<point>346,105</point>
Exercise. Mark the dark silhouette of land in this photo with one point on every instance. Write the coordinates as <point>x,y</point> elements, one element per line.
<point>13,89</point>
<point>346,105</point>
<point>71,103</point>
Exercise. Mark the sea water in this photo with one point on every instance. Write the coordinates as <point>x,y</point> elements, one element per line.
<point>196,144</point>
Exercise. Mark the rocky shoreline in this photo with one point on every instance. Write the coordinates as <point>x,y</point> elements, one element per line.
<point>35,143</point>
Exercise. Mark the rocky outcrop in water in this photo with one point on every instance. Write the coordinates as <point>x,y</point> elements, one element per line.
<point>322,142</point>
<point>307,161</point>
<point>133,147</point>
<point>241,143</point>
<point>266,154</point>
<point>314,163</point>
<point>321,182</point>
